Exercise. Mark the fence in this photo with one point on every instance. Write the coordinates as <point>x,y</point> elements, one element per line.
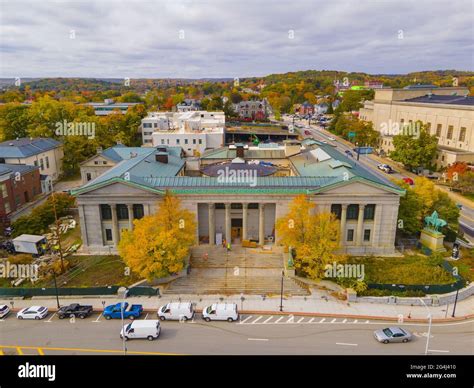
<point>28,292</point>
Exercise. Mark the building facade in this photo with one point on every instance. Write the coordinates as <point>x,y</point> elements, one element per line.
<point>19,184</point>
<point>245,209</point>
<point>447,112</point>
<point>252,110</point>
<point>45,153</point>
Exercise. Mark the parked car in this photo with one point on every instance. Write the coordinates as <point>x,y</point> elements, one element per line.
<point>221,312</point>
<point>4,310</point>
<point>307,133</point>
<point>392,334</point>
<point>176,311</point>
<point>130,311</point>
<point>409,181</point>
<point>385,168</point>
<point>33,312</point>
<point>349,153</point>
<point>149,329</point>
<point>331,138</point>
<point>74,310</point>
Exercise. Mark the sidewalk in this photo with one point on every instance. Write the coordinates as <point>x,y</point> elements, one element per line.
<point>314,305</point>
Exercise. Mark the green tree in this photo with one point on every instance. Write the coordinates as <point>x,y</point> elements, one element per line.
<point>13,121</point>
<point>415,151</point>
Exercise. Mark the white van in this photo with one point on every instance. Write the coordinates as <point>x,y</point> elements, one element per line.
<point>221,312</point>
<point>141,329</point>
<point>176,311</point>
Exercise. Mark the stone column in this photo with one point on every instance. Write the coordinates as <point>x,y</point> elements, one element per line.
<point>376,225</point>
<point>343,223</point>
<point>130,217</point>
<point>360,225</point>
<point>244,220</point>
<point>115,231</point>
<point>212,224</point>
<point>261,223</point>
<point>82,220</point>
<point>228,230</point>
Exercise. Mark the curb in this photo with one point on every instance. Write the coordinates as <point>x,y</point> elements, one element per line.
<point>321,315</point>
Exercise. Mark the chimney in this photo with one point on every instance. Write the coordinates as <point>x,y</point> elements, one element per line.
<point>161,157</point>
<point>99,150</point>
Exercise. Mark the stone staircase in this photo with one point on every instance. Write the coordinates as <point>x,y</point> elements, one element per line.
<point>251,271</point>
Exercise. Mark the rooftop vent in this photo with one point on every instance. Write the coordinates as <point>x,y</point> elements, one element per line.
<point>161,157</point>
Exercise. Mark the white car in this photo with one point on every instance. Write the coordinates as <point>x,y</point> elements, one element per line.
<point>331,138</point>
<point>4,310</point>
<point>33,312</point>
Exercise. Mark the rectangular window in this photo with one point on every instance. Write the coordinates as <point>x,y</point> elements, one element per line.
<point>428,127</point>
<point>439,127</point>
<point>138,211</point>
<point>47,162</point>
<point>88,176</point>
<point>122,212</point>
<point>353,212</point>
<point>462,134</point>
<point>7,207</point>
<point>367,235</point>
<point>105,212</point>
<point>3,188</point>
<point>194,141</point>
<point>162,141</point>
<point>177,141</point>
<point>41,164</point>
<point>17,200</point>
<point>369,212</point>
<point>200,141</point>
<point>450,132</point>
<point>336,209</point>
<point>108,234</point>
<point>185,141</point>
<point>350,234</point>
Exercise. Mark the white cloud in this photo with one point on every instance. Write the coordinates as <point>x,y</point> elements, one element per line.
<point>230,38</point>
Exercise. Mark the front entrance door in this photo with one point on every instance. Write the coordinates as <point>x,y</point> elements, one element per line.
<point>236,230</point>
<point>236,233</point>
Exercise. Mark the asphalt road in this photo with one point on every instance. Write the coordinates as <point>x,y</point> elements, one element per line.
<point>271,335</point>
<point>466,219</point>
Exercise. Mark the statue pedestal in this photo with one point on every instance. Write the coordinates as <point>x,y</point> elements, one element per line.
<point>432,240</point>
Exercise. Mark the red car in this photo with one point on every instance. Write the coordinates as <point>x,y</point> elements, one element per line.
<point>307,133</point>
<point>409,181</point>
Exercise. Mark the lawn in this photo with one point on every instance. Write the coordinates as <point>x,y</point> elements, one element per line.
<point>466,267</point>
<point>409,270</point>
<point>98,271</point>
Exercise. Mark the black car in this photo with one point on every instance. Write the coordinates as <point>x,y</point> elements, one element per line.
<point>74,310</point>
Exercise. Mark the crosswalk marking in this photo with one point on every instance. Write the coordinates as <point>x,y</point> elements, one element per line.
<point>322,320</point>
<point>300,320</point>
<point>260,317</point>
<point>291,319</point>
<point>311,320</point>
<point>246,319</point>
<point>269,319</point>
<point>334,320</point>
<point>279,319</point>
<point>344,321</point>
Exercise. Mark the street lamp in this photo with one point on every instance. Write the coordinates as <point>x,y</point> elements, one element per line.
<point>281,294</point>
<point>455,302</point>
<point>429,327</point>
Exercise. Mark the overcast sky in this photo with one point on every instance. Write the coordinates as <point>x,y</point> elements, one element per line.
<point>231,38</point>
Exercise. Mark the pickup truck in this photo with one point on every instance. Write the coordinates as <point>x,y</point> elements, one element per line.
<point>130,311</point>
<point>74,310</point>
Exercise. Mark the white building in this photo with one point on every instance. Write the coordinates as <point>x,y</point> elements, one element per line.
<point>194,131</point>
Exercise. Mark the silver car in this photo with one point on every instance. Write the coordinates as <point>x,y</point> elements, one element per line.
<point>392,334</point>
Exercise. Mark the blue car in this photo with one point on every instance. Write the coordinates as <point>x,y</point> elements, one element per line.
<point>349,153</point>
<point>130,311</point>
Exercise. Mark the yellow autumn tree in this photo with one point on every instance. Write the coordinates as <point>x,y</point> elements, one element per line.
<point>315,237</point>
<point>159,243</point>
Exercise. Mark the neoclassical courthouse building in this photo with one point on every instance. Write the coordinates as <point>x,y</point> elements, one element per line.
<point>236,192</point>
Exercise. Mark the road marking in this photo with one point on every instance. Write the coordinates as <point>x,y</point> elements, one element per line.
<point>260,317</point>
<point>246,319</point>
<point>367,321</point>
<point>344,321</point>
<point>18,350</point>
<point>311,320</point>
<point>269,319</point>
<point>257,339</point>
<point>345,344</point>
<point>334,320</point>
<point>322,320</point>
<point>438,351</point>
<point>355,321</point>
<point>98,318</point>
<point>49,320</point>
<point>146,316</point>
<point>299,320</point>
<point>40,352</point>
<point>119,351</point>
<point>279,319</point>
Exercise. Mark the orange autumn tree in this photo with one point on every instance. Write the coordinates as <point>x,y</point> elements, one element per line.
<point>159,244</point>
<point>315,236</point>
